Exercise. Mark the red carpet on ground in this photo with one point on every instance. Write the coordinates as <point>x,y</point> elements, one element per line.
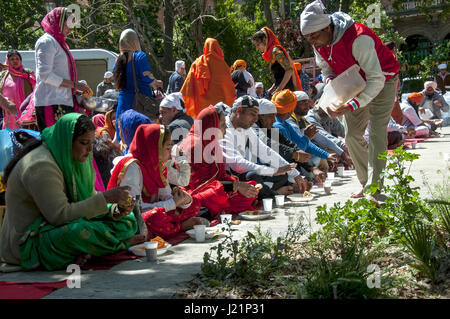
<point>28,290</point>
<point>409,141</point>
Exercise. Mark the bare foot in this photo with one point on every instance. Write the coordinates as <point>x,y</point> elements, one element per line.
<point>285,190</point>
<point>82,259</point>
<point>136,240</point>
<point>357,195</point>
<point>235,222</point>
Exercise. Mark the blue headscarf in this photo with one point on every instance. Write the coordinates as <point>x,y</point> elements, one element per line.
<point>129,121</point>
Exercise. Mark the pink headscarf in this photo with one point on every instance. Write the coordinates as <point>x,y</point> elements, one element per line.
<point>53,25</point>
<point>98,120</point>
<point>20,73</point>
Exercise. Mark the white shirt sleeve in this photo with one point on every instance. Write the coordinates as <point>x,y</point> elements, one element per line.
<point>365,54</point>
<point>45,52</point>
<point>181,177</point>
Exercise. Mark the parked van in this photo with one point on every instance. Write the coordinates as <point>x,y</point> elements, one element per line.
<point>91,63</point>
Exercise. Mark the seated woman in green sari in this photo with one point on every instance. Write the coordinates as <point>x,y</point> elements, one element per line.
<point>54,217</point>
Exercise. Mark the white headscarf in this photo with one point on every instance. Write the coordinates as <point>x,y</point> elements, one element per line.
<point>301,95</point>
<point>266,107</point>
<point>430,83</point>
<point>172,100</point>
<point>178,65</point>
<point>313,18</point>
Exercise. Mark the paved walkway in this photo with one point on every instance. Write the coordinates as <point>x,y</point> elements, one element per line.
<point>139,279</point>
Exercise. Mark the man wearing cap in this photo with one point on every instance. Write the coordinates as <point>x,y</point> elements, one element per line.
<point>271,136</point>
<point>285,102</point>
<point>260,92</point>
<point>339,42</point>
<point>433,101</point>
<point>176,79</point>
<point>443,78</point>
<point>250,159</point>
<point>171,114</point>
<point>106,84</point>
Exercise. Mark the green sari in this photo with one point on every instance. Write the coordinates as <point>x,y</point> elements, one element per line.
<point>55,247</point>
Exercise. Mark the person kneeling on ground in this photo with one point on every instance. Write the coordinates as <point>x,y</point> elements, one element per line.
<point>64,222</point>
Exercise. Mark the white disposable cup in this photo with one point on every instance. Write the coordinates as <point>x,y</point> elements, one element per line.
<point>279,200</point>
<point>267,203</point>
<point>226,220</point>
<point>446,156</point>
<point>200,231</point>
<point>330,175</point>
<point>151,250</point>
<point>340,170</point>
<point>327,187</point>
<point>413,145</point>
<point>291,219</point>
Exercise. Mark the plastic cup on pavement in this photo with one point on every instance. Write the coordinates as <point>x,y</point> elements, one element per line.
<point>340,170</point>
<point>267,203</point>
<point>279,200</point>
<point>330,175</point>
<point>151,250</point>
<point>327,187</point>
<point>413,145</point>
<point>200,231</point>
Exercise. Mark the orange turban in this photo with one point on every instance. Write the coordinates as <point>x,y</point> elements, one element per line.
<point>285,101</point>
<point>298,66</point>
<point>416,97</point>
<point>237,64</point>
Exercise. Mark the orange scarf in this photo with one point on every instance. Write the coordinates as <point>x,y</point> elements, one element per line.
<point>208,81</point>
<point>272,41</point>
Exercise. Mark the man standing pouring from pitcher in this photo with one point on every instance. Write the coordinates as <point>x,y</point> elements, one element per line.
<point>339,42</point>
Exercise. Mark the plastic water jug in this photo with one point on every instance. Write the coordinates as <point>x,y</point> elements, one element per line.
<point>344,87</point>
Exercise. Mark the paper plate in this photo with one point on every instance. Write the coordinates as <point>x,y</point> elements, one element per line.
<point>139,250</point>
<point>300,198</point>
<point>250,215</point>
<point>210,232</point>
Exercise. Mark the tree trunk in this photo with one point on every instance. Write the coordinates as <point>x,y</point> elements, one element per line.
<point>168,61</point>
<point>267,13</point>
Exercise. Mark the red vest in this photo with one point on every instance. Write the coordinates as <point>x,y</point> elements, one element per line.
<point>342,56</point>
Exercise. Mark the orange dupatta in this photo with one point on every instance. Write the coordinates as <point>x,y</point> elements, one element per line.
<point>272,41</point>
<point>208,81</point>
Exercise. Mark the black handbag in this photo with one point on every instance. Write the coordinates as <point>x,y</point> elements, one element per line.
<point>142,103</point>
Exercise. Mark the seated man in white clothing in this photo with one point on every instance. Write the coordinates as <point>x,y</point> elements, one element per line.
<point>410,117</point>
<point>250,159</point>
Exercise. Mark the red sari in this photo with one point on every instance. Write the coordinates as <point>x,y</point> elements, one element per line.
<point>148,139</point>
<point>208,167</point>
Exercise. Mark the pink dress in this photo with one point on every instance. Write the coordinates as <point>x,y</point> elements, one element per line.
<point>14,91</point>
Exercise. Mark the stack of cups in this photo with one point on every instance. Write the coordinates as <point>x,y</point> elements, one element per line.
<point>226,220</point>
<point>200,231</point>
<point>279,200</point>
<point>151,251</point>
<point>267,203</point>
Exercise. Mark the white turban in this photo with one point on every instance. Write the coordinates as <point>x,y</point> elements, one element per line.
<point>266,107</point>
<point>430,83</point>
<point>172,100</point>
<point>301,95</point>
<point>178,65</point>
<point>108,75</point>
<point>313,18</point>
<point>259,85</point>
<point>442,66</point>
